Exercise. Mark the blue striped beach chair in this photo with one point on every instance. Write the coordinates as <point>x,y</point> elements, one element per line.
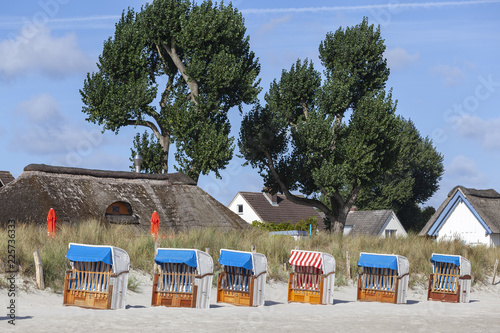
<point>450,280</point>
<point>98,278</point>
<point>383,278</point>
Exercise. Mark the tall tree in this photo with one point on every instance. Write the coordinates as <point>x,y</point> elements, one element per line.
<point>177,68</point>
<point>299,140</point>
<point>412,180</point>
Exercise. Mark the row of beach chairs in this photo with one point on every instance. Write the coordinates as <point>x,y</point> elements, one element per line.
<point>99,277</point>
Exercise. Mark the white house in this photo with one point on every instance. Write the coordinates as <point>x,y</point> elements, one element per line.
<point>467,214</point>
<point>264,207</point>
<point>381,223</point>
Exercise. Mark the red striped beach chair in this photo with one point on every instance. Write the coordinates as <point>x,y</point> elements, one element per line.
<point>313,277</point>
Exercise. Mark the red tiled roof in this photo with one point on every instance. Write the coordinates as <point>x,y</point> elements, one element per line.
<point>283,211</point>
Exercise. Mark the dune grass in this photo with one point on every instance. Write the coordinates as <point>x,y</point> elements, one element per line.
<point>418,250</point>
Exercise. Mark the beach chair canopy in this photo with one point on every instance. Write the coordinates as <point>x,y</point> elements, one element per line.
<point>111,255</point>
<point>171,256</point>
<point>191,257</point>
<point>256,262</point>
<point>320,260</point>
<point>464,264</point>
<point>391,261</point>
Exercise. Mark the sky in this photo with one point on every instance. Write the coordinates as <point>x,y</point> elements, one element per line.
<point>443,57</point>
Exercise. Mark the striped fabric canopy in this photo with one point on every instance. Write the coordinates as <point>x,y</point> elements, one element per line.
<point>306,258</point>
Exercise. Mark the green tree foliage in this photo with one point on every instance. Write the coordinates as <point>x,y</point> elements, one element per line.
<point>177,68</point>
<point>411,181</point>
<point>300,139</point>
<point>151,152</point>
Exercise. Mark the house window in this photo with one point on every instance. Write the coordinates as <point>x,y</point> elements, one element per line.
<point>240,209</point>
<point>390,233</point>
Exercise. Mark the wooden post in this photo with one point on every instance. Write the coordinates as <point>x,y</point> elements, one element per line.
<point>207,250</point>
<point>495,271</point>
<point>348,265</point>
<point>254,248</point>
<point>284,266</point>
<point>38,270</point>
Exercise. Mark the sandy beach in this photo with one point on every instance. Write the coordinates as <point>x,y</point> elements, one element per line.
<point>42,311</point>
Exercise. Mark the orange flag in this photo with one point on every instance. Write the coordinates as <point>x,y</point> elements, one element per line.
<point>155,224</point>
<point>51,222</point>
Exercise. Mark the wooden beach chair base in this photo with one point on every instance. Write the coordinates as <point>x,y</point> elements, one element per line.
<point>86,299</point>
<point>173,299</point>
<point>367,295</point>
<point>232,296</point>
<point>452,296</point>
<point>310,296</point>
<point>378,295</point>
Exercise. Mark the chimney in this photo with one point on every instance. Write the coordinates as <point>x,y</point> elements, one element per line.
<point>272,198</point>
<point>353,209</point>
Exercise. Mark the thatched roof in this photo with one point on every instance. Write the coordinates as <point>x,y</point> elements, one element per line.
<point>82,194</point>
<point>485,202</point>
<point>5,178</point>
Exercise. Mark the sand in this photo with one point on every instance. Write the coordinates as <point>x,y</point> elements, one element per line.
<point>42,311</point>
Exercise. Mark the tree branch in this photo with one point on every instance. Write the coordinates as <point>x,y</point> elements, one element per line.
<point>192,84</point>
<point>170,82</point>
<point>304,108</point>
<point>293,198</point>
<point>148,124</point>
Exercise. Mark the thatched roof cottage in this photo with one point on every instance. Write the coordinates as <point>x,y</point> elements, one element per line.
<point>118,197</point>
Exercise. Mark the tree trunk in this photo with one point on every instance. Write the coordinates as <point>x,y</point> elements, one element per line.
<point>338,222</point>
<point>164,141</point>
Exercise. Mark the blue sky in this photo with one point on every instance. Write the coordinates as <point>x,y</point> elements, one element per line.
<point>443,57</point>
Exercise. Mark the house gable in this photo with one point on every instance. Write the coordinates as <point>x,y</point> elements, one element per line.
<point>392,224</point>
<point>462,223</point>
<point>272,209</point>
<point>373,222</point>
<point>457,199</point>
<point>248,214</point>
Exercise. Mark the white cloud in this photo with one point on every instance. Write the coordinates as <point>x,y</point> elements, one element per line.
<point>40,52</point>
<point>43,130</point>
<point>464,171</point>
<point>452,75</point>
<point>487,132</point>
<point>273,23</point>
<point>40,108</point>
<point>398,58</point>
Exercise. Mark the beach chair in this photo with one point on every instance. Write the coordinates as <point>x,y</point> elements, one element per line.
<point>450,279</point>
<point>383,278</point>
<point>243,279</point>
<point>313,277</point>
<point>98,278</point>
<point>184,278</point>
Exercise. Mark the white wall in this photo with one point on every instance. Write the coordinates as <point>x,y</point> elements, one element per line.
<point>461,223</point>
<point>495,239</point>
<point>248,214</point>
<point>393,224</point>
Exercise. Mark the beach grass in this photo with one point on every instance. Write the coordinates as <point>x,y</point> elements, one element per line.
<point>141,247</point>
